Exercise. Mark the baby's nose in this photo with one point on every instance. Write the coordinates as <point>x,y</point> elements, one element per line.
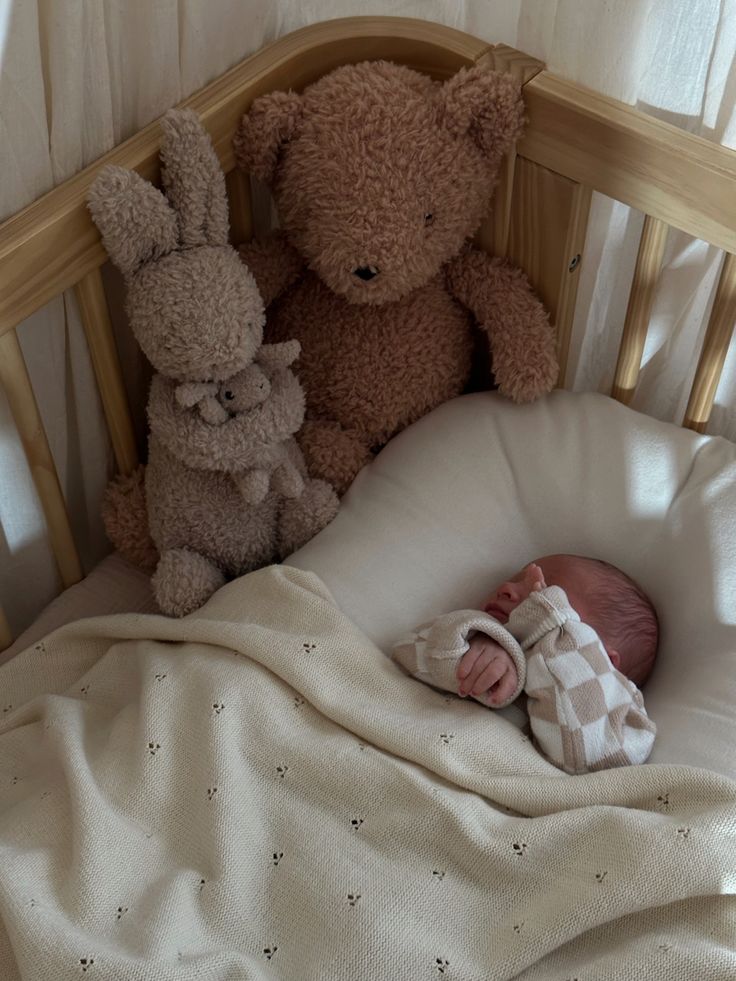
<point>509,590</point>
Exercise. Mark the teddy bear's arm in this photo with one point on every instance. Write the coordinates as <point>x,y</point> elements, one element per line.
<point>274,263</point>
<point>521,338</point>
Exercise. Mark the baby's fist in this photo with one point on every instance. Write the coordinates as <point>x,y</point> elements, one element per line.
<point>487,672</point>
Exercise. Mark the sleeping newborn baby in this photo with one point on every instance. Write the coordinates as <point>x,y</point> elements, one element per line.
<point>577,635</point>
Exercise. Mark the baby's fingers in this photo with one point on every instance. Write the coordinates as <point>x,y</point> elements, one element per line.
<point>488,677</point>
<point>504,688</point>
<point>467,661</point>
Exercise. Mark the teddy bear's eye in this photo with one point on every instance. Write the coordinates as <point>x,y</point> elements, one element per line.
<point>229,396</point>
<point>429,218</point>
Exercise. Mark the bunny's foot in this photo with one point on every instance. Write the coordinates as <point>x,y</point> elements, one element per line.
<point>184,580</point>
<point>301,518</point>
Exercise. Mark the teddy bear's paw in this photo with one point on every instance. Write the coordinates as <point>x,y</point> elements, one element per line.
<point>332,453</point>
<point>303,517</point>
<point>184,580</point>
<point>530,380</point>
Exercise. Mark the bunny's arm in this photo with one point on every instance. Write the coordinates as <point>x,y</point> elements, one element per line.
<point>279,355</point>
<point>274,263</point>
<point>521,338</point>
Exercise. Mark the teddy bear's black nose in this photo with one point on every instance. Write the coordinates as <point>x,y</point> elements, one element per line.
<point>365,272</point>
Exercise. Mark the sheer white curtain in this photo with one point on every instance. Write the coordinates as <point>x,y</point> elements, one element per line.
<point>79,76</point>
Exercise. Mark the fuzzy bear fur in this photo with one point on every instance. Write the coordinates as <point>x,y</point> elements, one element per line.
<point>380,177</point>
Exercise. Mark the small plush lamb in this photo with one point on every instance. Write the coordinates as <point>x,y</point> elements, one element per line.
<point>280,467</point>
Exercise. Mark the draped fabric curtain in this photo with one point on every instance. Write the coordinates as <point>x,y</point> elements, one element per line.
<point>79,76</point>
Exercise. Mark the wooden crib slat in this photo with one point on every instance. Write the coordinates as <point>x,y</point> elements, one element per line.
<point>714,350</point>
<point>241,207</point>
<point>493,234</point>
<point>638,313</point>
<point>549,220</point>
<point>682,179</point>
<point>17,385</point>
<point>6,637</point>
<point>101,342</point>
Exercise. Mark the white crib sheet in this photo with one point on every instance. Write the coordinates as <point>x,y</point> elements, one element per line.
<point>480,486</point>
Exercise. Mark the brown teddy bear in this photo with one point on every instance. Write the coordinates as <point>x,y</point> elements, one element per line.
<point>380,176</point>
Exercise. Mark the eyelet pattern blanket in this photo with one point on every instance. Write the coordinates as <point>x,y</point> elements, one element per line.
<point>256,791</point>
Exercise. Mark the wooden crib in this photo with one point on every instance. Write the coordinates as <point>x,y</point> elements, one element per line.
<point>576,142</point>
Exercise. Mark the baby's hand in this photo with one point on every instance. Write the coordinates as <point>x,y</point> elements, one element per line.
<point>532,579</point>
<point>486,670</point>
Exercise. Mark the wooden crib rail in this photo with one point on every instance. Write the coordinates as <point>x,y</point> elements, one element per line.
<point>576,142</point>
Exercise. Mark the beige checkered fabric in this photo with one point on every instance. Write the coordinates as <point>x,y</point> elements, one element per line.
<point>584,714</point>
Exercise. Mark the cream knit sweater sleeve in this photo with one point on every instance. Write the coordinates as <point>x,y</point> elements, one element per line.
<point>584,714</point>
<point>432,651</point>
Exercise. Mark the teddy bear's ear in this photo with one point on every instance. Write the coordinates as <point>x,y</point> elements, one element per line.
<point>193,180</point>
<point>269,123</point>
<point>134,218</point>
<point>486,106</point>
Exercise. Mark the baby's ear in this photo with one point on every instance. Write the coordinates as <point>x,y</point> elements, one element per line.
<point>134,218</point>
<point>268,125</point>
<point>486,106</point>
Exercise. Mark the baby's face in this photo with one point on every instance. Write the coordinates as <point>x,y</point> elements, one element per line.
<point>551,570</point>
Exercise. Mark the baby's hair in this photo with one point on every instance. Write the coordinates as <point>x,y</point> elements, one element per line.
<point>625,618</point>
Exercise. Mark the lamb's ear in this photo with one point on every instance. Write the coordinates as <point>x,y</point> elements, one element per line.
<point>485,105</point>
<point>270,123</point>
<point>134,218</point>
<point>193,180</point>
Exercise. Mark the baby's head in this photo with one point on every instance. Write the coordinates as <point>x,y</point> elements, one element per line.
<point>603,597</point>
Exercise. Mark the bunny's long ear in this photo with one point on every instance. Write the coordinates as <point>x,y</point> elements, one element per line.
<point>134,218</point>
<point>193,180</point>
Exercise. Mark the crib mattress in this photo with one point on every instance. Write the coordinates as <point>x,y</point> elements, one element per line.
<point>479,487</point>
<point>113,586</point>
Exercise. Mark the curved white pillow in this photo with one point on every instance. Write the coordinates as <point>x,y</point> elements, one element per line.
<point>480,486</point>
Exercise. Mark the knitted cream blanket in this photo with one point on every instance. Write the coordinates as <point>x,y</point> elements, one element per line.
<point>256,791</point>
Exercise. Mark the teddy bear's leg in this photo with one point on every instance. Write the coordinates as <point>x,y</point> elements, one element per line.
<point>253,485</point>
<point>184,580</point>
<point>125,518</point>
<point>332,453</point>
<point>302,517</point>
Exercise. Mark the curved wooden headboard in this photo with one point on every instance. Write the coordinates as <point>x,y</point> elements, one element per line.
<point>576,142</point>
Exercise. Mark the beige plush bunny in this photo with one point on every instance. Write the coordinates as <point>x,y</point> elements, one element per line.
<point>198,316</point>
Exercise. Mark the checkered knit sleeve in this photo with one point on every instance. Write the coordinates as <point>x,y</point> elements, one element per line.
<point>432,651</point>
<point>584,714</point>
